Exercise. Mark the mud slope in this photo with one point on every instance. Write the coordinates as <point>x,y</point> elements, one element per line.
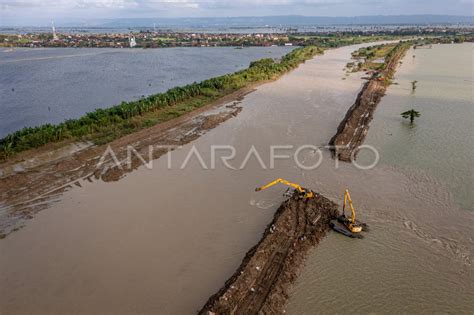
<point>261,283</point>
<point>353,129</point>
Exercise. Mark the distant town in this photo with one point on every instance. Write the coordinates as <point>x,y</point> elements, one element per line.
<point>161,39</point>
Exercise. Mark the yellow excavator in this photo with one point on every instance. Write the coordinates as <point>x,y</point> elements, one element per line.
<point>348,226</point>
<point>303,192</point>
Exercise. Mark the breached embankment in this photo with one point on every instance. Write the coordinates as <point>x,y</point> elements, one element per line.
<point>353,129</point>
<point>261,283</point>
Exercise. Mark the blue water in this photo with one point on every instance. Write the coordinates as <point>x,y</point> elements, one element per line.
<point>51,85</point>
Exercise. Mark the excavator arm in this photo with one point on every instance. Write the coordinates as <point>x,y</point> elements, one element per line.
<point>347,199</point>
<point>301,190</point>
<point>352,221</point>
<point>348,226</point>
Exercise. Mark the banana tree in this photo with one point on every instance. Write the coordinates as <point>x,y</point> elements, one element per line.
<point>411,114</point>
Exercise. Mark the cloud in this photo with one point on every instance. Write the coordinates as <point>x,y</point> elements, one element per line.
<point>118,4</point>
<point>249,4</point>
<point>54,4</point>
<point>42,10</point>
<point>172,3</point>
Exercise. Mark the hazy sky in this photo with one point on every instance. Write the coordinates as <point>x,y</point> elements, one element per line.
<point>32,12</point>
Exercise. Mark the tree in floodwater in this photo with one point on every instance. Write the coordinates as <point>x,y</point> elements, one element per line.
<point>411,114</point>
<point>413,85</point>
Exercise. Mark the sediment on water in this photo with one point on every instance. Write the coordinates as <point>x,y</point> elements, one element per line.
<point>353,129</point>
<point>261,283</point>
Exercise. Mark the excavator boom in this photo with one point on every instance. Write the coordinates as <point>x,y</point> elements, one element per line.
<point>345,225</point>
<point>305,192</point>
<point>347,199</point>
<point>352,225</point>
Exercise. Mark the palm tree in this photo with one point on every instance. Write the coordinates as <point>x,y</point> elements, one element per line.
<point>411,114</point>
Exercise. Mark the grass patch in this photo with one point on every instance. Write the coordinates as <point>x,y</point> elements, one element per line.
<point>371,58</point>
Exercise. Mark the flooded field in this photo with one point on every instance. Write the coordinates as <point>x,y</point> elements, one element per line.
<point>163,240</point>
<point>418,257</point>
<point>440,142</point>
<point>50,85</point>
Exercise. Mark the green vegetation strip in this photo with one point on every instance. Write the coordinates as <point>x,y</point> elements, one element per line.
<point>104,125</point>
<point>371,58</point>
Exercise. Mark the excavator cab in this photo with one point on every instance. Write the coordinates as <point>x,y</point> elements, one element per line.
<point>303,193</point>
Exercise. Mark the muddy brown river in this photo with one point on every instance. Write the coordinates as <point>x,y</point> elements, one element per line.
<point>162,240</point>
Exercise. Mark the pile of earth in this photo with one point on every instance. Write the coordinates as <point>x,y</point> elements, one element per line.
<point>261,283</point>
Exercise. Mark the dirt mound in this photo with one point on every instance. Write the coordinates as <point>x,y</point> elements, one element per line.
<point>355,125</point>
<point>261,283</point>
<point>353,129</point>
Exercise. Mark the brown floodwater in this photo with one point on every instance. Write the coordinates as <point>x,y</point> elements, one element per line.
<point>418,256</point>
<point>163,240</point>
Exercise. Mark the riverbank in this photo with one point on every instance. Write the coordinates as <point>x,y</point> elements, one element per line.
<point>105,125</point>
<point>38,163</point>
<point>31,179</point>
<point>353,128</point>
